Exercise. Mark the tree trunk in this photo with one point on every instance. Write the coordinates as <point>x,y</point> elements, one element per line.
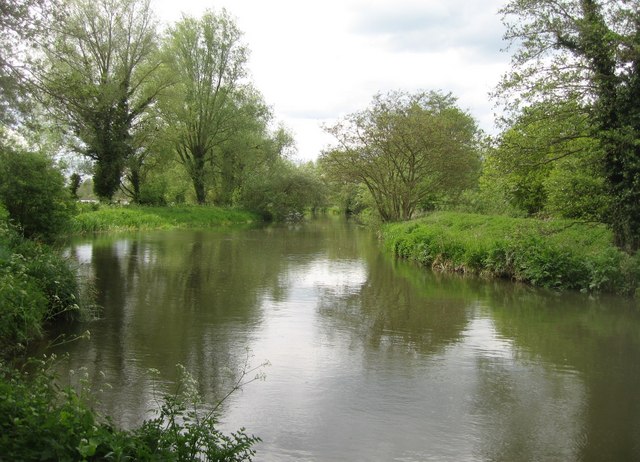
<point>622,168</point>
<point>135,180</point>
<point>198,174</point>
<point>201,193</point>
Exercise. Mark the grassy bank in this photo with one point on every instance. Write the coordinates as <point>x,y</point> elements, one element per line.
<point>556,254</point>
<point>115,218</point>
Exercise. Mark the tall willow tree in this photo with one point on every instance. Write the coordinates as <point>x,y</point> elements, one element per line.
<point>586,51</point>
<point>99,77</point>
<point>206,105</point>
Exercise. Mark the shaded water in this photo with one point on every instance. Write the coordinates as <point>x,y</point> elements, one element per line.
<point>371,359</point>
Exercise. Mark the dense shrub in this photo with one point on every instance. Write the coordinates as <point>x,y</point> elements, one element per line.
<point>282,193</point>
<point>36,286</point>
<point>154,192</point>
<point>556,254</point>
<point>33,191</point>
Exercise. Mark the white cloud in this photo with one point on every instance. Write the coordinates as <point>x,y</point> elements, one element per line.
<point>316,61</point>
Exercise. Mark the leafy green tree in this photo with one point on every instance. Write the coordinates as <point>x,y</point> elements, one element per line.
<point>75,180</point>
<point>405,148</point>
<point>251,146</point>
<point>547,161</point>
<point>99,77</point>
<point>152,154</point>
<point>586,51</point>
<point>208,104</point>
<point>281,191</point>
<point>33,191</point>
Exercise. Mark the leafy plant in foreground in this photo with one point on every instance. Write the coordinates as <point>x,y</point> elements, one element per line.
<point>40,420</point>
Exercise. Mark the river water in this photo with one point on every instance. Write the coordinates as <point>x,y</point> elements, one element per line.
<point>371,359</point>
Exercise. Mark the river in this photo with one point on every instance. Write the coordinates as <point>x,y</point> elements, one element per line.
<point>371,359</point>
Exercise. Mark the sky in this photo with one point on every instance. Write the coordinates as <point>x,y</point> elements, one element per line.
<point>315,61</point>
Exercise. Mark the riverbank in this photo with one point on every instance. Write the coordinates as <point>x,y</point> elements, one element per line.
<point>102,218</point>
<point>558,254</point>
<point>41,419</point>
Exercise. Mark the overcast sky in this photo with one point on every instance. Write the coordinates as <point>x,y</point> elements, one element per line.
<point>316,61</point>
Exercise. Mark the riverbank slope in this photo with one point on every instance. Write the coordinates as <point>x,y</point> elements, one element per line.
<point>556,254</point>
<point>101,218</point>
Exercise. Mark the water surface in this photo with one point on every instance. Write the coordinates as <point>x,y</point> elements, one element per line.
<point>371,358</point>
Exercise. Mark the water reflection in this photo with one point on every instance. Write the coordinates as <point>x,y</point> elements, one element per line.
<point>372,359</point>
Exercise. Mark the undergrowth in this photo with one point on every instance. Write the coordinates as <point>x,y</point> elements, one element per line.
<point>37,287</point>
<point>40,420</point>
<point>558,254</point>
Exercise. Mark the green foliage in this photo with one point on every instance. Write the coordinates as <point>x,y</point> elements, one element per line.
<point>33,191</point>
<point>74,184</point>
<point>101,96</point>
<point>282,192</point>
<point>576,189</point>
<point>406,149</point>
<point>21,22</point>
<point>39,420</point>
<point>585,52</point>
<point>546,162</point>
<point>208,105</point>
<point>37,286</point>
<point>22,309</point>
<point>555,254</point>
<point>140,217</point>
<point>154,192</point>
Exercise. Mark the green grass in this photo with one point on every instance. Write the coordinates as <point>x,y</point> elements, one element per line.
<point>107,219</point>
<point>558,254</point>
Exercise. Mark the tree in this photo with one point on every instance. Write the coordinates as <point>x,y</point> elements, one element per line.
<point>99,76</point>
<point>33,191</point>
<point>282,191</point>
<point>251,146</point>
<point>75,180</point>
<point>207,103</point>
<point>586,51</point>
<point>547,162</point>
<point>150,153</point>
<point>405,148</point>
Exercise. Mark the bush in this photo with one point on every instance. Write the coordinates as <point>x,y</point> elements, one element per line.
<point>22,310</point>
<point>282,193</point>
<point>41,421</point>
<point>34,193</point>
<point>154,192</point>
<point>36,286</point>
